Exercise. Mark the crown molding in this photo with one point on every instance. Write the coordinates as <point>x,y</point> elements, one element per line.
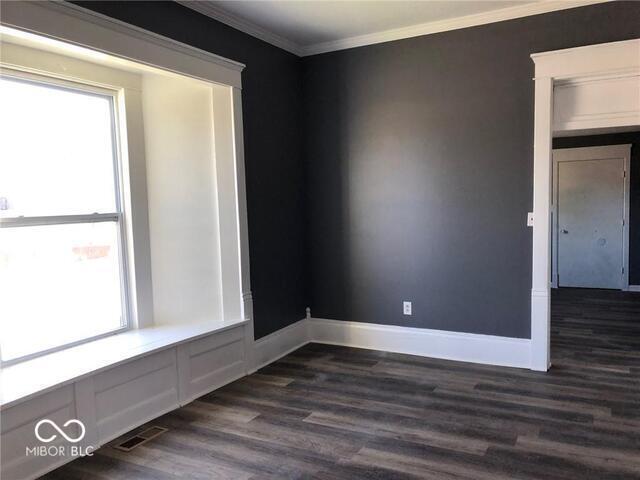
<point>212,11</point>
<point>466,21</point>
<point>545,6</point>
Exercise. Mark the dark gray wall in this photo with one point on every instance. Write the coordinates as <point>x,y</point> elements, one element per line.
<point>419,171</point>
<point>272,133</point>
<point>632,138</point>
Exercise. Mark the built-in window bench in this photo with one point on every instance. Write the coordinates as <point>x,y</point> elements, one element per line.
<point>113,385</point>
<point>179,112</point>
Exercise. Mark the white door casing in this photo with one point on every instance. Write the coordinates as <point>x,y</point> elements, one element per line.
<point>581,67</point>
<point>590,212</point>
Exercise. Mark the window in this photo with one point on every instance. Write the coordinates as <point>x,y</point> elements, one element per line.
<point>62,255</point>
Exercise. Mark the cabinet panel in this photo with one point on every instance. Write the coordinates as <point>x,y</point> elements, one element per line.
<point>135,392</point>
<point>210,362</point>
<point>18,423</point>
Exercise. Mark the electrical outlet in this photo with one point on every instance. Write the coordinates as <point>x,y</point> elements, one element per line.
<point>406,308</point>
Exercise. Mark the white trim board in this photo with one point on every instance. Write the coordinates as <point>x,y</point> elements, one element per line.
<point>458,346</point>
<point>634,288</point>
<point>463,347</point>
<point>508,13</point>
<point>276,345</point>
<point>73,24</point>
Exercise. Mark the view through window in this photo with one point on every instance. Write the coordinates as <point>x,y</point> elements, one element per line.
<point>61,245</point>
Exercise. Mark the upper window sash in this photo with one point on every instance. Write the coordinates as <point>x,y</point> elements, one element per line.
<point>56,81</point>
<point>117,180</point>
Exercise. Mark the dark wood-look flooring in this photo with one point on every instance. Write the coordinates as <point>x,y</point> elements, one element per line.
<point>327,412</point>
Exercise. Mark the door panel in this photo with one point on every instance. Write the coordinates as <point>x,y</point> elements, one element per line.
<point>590,229</point>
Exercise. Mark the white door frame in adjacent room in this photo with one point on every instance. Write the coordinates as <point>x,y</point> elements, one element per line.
<point>577,91</point>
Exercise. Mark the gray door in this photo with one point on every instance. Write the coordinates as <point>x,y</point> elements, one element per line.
<point>590,226</point>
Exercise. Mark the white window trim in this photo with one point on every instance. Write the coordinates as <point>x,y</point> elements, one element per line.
<point>106,78</point>
<point>117,216</point>
<point>84,28</point>
<point>80,26</point>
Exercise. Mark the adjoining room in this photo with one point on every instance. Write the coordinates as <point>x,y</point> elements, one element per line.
<point>595,274</point>
<point>313,239</point>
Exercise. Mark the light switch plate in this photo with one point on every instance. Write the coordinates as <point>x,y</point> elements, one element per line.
<point>406,308</point>
<point>530,219</point>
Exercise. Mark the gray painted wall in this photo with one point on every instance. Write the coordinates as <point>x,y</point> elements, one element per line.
<point>419,170</point>
<point>632,138</point>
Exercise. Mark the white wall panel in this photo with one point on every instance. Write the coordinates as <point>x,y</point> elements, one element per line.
<point>183,200</point>
<point>597,103</point>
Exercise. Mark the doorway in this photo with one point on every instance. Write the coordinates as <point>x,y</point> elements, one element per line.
<point>578,91</point>
<point>595,212</point>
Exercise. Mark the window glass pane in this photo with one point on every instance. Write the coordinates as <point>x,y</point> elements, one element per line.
<point>56,152</point>
<point>58,284</point>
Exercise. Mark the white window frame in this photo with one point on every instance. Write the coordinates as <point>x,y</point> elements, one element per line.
<point>118,216</point>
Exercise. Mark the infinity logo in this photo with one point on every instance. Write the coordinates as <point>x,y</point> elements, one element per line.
<point>59,430</point>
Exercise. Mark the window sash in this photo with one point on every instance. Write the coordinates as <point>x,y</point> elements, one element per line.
<point>117,216</point>
<point>122,259</point>
<point>8,222</point>
<point>52,81</point>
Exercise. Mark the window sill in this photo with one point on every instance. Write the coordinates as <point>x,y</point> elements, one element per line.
<point>24,380</point>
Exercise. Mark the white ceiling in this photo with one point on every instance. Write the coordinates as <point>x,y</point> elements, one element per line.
<point>308,23</point>
<point>314,26</point>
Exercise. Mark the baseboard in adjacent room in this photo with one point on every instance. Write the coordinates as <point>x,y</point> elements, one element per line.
<point>634,288</point>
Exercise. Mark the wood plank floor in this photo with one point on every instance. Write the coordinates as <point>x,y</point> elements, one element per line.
<point>327,412</point>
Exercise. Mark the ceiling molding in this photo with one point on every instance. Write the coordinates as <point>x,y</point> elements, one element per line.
<point>509,13</point>
<point>212,11</point>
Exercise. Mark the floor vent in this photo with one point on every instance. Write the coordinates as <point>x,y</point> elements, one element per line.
<point>140,438</point>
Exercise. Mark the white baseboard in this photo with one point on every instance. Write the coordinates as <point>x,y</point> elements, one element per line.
<point>279,343</point>
<point>634,288</point>
<point>464,347</point>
